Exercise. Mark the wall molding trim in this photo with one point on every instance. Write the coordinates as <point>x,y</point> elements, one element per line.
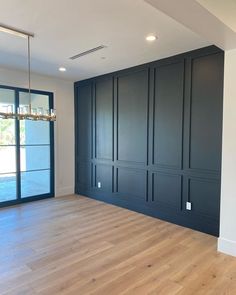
<point>138,132</point>
<point>227,246</point>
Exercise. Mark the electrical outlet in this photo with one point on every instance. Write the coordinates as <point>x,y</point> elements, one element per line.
<point>99,184</point>
<point>188,206</point>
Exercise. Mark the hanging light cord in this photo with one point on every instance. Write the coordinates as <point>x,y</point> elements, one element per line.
<point>29,74</point>
<point>21,113</point>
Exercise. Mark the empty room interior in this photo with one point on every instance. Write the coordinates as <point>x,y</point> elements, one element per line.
<point>118,147</point>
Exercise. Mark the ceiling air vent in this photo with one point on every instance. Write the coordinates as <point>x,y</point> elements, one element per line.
<point>87,52</point>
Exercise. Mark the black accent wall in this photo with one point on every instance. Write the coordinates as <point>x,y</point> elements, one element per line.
<point>151,136</point>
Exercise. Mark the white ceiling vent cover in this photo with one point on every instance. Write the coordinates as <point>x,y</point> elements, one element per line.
<point>88,52</point>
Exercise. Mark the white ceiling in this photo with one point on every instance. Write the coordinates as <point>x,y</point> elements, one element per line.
<point>224,10</point>
<point>65,28</point>
<point>200,17</point>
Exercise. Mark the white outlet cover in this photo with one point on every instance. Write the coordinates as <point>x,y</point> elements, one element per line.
<point>99,184</point>
<point>188,206</point>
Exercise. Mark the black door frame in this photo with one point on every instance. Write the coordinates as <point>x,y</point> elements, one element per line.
<point>51,194</point>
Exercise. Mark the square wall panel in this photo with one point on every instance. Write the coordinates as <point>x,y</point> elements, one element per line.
<point>166,189</point>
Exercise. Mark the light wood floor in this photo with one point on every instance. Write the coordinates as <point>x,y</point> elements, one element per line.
<point>79,246</point>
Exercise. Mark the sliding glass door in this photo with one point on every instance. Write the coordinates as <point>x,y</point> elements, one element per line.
<point>26,150</point>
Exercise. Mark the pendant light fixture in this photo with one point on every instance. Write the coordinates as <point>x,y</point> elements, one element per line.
<point>25,112</point>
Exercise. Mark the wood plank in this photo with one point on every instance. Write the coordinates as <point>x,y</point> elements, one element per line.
<point>75,245</point>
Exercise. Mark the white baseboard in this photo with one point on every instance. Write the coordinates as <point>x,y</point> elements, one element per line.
<point>227,246</point>
<point>64,191</point>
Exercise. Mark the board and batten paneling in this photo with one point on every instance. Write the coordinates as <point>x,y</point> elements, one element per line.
<point>84,127</point>
<point>202,193</point>
<point>205,113</point>
<point>168,115</point>
<point>150,136</point>
<point>167,189</point>
<point>132,106</point>
<point>104,175</point>
<point>104,119</point>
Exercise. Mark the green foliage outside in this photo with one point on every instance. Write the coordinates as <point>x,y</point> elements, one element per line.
<point>7,132</point>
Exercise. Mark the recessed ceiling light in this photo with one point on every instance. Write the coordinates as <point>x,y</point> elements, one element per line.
<point>62,69</point>
<point>151,38</point>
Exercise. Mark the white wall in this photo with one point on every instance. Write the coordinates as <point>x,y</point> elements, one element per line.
<point>227,239</point>
<point>64,127</point>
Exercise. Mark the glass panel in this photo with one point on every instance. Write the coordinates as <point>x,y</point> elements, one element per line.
<point>7,153</point>
<point>7,187</point>
<point>7,132</point>
<point>35,149</point>
<point>7,97</point>
<point>34,157</point>
<point>34,132</point>
<point>35,183</point>
<point>37,100</point>
<point>7,159</point>
<point>7,126</point>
